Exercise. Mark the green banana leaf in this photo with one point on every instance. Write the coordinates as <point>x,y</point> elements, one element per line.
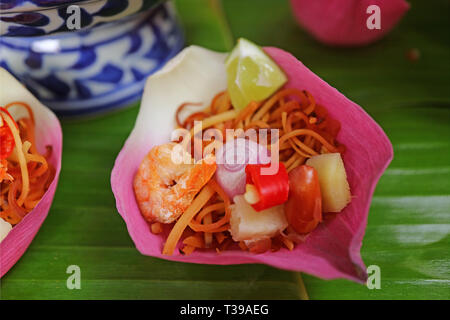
<point>409,223</point>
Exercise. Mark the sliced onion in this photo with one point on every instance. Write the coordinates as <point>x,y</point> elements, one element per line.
<point>231,160</point>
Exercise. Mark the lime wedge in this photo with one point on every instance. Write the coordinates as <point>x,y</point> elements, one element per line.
<point>252,75</point>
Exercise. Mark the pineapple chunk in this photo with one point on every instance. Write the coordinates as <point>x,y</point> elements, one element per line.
<point>333,181</point>
<point>5,228</point>
<point>248,224</point>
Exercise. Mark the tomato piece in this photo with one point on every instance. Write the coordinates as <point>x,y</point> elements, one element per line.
<point>303,208</point>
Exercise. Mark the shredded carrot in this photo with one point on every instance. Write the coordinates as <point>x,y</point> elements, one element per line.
<point>257,124</point>
<point>197,116</point>
<point>276,97</point>
<point>21,157</point>
<point>224,103</point>
<point>220,236</point>
<point>175,234</point>
<point>312,102</point>
<point>312,133</point>
<point>22,104</point>
<point>218,118</point>
<point>10,216</point>
<point>288,243</point>
<point>225,227</point>
<point>208,237</point>
<point>305,130</point>
<point>242,246</point>
<point>290,106</point>
<point>187,250</point>
<point>248,110</point>
<point>181,108</point>
<point>214,227</point>
<point>207,210</point>
<point>213,108</point>
<point>25,174</point>
<point>194,241</point>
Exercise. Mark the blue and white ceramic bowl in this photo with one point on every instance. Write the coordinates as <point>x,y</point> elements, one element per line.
<point>31,5</point>
<point>26,18</point>
<point>96,69</point>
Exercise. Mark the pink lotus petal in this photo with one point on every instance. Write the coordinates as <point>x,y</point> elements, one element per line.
<point>343,22</point>
<point>48,132</point>
<point>333,249</point>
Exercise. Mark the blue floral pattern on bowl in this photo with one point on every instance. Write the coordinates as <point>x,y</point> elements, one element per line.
<point>93,13</point>
<point>31,5</point>
<point>95,70</point>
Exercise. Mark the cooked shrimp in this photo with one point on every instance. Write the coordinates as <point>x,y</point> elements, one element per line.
<point>165,189</point>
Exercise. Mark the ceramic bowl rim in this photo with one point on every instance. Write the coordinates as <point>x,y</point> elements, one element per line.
<point>80,3</point>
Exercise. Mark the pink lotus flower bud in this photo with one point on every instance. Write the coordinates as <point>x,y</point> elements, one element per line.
<point>348,22</point>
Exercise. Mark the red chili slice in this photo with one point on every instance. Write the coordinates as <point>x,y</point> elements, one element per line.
<point>273,190</point>
<point>6,136</point>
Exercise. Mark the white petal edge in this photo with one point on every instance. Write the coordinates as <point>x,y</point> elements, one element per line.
<point>194,75</point>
